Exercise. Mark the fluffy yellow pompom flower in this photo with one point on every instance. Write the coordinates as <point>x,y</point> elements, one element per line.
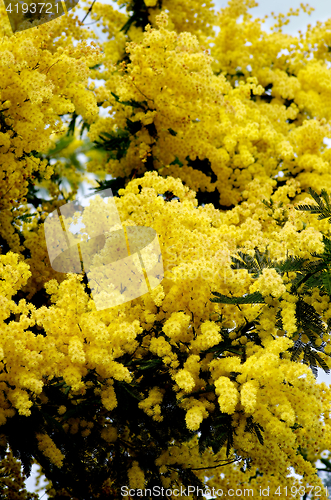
<point>227,393</point>
<point>109,434</point>
<point>151,405</point>
<point>185,380</point>
<point>270,283</point>
<point>195,415</point>
<point>207,337</point>
<point>13,273</point>
<point>248,395</point>
<point>108,398</point>
<point>176,327</point>
<point>47,446</point>
<point>136,476</point>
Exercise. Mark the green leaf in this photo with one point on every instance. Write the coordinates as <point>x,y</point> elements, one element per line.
<point>327,245</point>
<point>129,391</point>
<point>116,142</point>
<point>326,280</point>
<point>177,162</point>
<point>25,217</point>
<point>114,184</point>
<point>253,264</point>
<point>291,264</point>
<point>151,364</point>
<point>134,104</point>
<point>61,144</point>
<point>254,428</point>
<point>326,462</point>
<point>67,389</point>
<point>308,319</point>
<point>133,127</point>
<point>323,207</point>
<point>72,124</point>
<point>52,421</point>
<point>251,298</point>
<point>96,66</point>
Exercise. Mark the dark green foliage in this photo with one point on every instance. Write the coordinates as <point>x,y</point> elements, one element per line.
<point>310,274</point>
<point>72,124</point>
<point>215,433</point>
<point>259,261</point>
<point>134,104</point>
<point>251,298</point>
<point>203,165</point>
<point>323,207</point>
<point>117,143</point>
<point>114,184</point>
<point>139,14</point>
<point>177,162</point>
<point>133,127</point>
<point>255,428</point>
<point>311,357</point>
<point>308,320</point>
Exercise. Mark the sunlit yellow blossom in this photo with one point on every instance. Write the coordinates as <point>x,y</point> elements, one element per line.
<point>227,393</point>
<point>136,476</point>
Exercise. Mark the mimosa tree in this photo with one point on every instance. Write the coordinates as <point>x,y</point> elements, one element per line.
<point>215,138</point>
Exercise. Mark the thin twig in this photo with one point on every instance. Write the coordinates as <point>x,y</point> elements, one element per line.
<point>88,12</point>
<point>211,467</point>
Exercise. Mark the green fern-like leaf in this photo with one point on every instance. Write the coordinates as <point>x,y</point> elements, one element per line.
<point>291,264</point>
<point>308,319</point>
<point>245,261</point>
<point>326,280</point>
<point>134,104</point>
<point>223,434</point>
<point>323,207</point>
<point>254,428</point>
<point>296,350</point>
<point>327,245</point>
<point>253,264</point>
<point>115,142</point>
<point>251,298</point>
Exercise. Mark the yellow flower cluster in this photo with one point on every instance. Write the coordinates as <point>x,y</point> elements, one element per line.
<point>195,415</point>
<point>40,80</point>
<point>259,113</point>
<point>227,393</point>
<point>270,283</point>
<point>47,446</point>
<point>208,336</point>
<point>136,476</point>
<point>13,482</point>
<point>78,338</point>
<point>248,396</point>
<point>109,434</point>
<point>151,405</point>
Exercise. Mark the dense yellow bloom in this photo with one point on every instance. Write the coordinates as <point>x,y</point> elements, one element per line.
<point>136,476</point>
<point>176,327</point>
<point>109,434</point>
<point>270,283</point>
<point>151,405</point>
<point>248,395</point>
<point>227,393</point>
<point>208,337</point>
<point>195,415</point>
<point>236,118</point>
<point>50,450</point>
